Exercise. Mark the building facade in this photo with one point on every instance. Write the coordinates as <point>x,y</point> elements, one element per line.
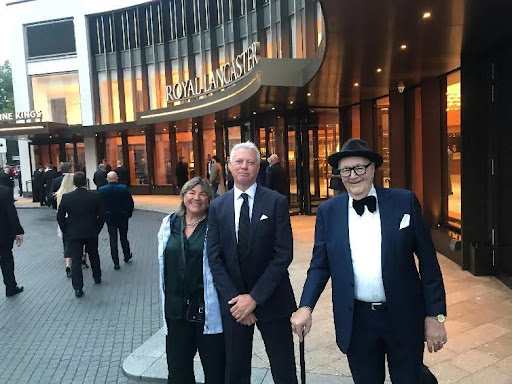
<point>147,83</point>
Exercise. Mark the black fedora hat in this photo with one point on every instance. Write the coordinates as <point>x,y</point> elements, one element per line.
<point>354,147</point>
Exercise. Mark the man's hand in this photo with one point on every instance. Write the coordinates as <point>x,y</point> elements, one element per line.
<point>302,320</point>
<point>249,320</point>
<point>435,334</point>
<point>19,240</point>
<point>242,306</point>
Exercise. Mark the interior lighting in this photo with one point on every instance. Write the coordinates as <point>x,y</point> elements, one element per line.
<point>20,128</point>
<point>291,101</point>
<point>403,46</point>
<point>427,15</point>
<point>309,93</point>
<point>356,84</point>
<point>379,70</point>
<point>273,108</point>
<point>254,113</point>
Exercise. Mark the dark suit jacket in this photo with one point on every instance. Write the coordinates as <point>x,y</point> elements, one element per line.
<point>270,254</point>
<point>10,223</point>
<point>6,180</point>
<point>123,175</point>
<point>276,178</point>
<point>410,295</point>
<point>56,183</point>
<point>100,178</point>
<point>85,214</point>
<point>118,202</point>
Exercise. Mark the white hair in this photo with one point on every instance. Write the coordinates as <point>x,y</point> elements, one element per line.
<point>66,187</point>
<point>249,145</point>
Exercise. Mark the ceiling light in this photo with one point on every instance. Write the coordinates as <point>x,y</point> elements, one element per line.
<point>254,113</point>
<point>291,101</point>
<point>234,117</point>
<point>165,129</point>
<point>142,131</point>
<point>309,94</point>
<point>119,133</point>
<point>356,84</point>
<point>379,70</point>
<point>427,15</point>
<point>273,108</point>
<point>403,46</point>
<point>215,120</point>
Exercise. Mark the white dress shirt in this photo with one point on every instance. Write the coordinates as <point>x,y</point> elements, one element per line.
<point>365,245</point>
<point>251,191</point>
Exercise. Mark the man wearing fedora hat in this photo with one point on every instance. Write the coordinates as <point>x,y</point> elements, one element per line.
<point>365,241</point>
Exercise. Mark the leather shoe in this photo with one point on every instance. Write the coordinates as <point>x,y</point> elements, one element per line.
<point>68,272</point>
<point>79,293</point>
<point>117,267</point>
<point>15,291</point>
<point>97,280</point>
<point>127,259</point>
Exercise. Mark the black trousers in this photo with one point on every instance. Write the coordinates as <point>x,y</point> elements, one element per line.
<point>7,265</point>
<point>75,248</point>
<point>278,339</point>
<point>372,340</point>
<point>120,225</point>
<point>184,339</point>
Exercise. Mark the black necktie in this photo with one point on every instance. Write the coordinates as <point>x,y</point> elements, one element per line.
<point>244,224</point>
<point>369,201</point>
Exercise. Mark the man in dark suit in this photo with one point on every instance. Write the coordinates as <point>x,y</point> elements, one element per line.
<point>122,173</point>
<point>276,175</point>
<point>250,247</point>
<point>6,178</point>
<point>38,186</point>
<point>65,168</point>
<point>48,176</point>
<point>100,176</point>
<point>365,241</point>
<point>85,218</point>
<point>11,232</point>
<point>209,165</point>
<point>118,203</point>
<point>181,172</point>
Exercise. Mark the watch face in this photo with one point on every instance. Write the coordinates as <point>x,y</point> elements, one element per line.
<point>441,318</point>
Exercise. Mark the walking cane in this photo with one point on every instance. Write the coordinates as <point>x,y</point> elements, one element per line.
<point>302,362</point>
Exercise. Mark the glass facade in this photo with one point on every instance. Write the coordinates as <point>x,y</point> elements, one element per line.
<point>58,97</point>
<point>137,156</point>
<point>454,147</point>
<point>164,166</point>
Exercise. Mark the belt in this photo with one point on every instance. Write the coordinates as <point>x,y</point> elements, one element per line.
<point>372,306</point>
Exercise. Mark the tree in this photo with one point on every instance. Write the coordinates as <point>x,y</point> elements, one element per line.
<point>6,91</point>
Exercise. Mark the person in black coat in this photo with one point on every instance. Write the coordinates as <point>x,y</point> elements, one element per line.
<point>100,176</point>
<point>38,185</point>
<point>122,173</point>
<point>84,221</point>
<point>11,232</point>
<point>276,175</point>
<point>118,203</point>
<point>48,176</point>
<point>65,168</point>
<point>6,178</point>
<point>181,172</point>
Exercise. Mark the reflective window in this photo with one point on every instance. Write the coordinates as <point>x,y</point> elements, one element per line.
<point>116,112</point>
<point>209,142</point>
<point>382,114</point>
<point>138,160</point>
<point>51,38</point>
<point>163,164</point>
<point>113,150</point>
<point>355,117</point>
<point>80,154</point>
<point>58,97</point>
<point>185,146</point>
<point>454,145</point>
<point>70,155</point>
<point>104,97</point>
<point>128,94</point>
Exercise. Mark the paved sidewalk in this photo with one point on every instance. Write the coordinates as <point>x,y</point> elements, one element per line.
<point>49,336</point>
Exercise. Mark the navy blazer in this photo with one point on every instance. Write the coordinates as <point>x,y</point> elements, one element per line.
<point>118,202</point>
<point>411,294</point>
<point>270,254</point>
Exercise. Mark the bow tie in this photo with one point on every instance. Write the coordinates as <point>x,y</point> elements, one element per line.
<point>369,201</point>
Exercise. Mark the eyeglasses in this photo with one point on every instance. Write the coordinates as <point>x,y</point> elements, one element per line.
<point>359,170</point>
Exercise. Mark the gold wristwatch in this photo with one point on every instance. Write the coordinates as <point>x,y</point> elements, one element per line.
<point>441,318</point>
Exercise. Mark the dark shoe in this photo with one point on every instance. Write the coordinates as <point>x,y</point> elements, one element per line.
<point>15,291</point>
<point>127,259</point>
<point>117,267</point>
<point>79,293</point>
<point>97,280</point>
<point>84,264</point>
<point>68,272</point>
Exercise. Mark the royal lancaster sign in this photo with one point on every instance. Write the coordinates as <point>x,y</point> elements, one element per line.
<point>27,115</point>
<point>225,75</point>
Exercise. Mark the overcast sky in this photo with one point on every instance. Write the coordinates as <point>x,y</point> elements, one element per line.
<point>5,27</point>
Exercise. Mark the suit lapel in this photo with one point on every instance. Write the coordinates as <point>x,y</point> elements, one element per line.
<point>386,218</point>
<point>344,235</point>
<point>257,210</point>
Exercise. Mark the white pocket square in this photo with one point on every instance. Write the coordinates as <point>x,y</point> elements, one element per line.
<point>263,217</point>
<point>405,221</point>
